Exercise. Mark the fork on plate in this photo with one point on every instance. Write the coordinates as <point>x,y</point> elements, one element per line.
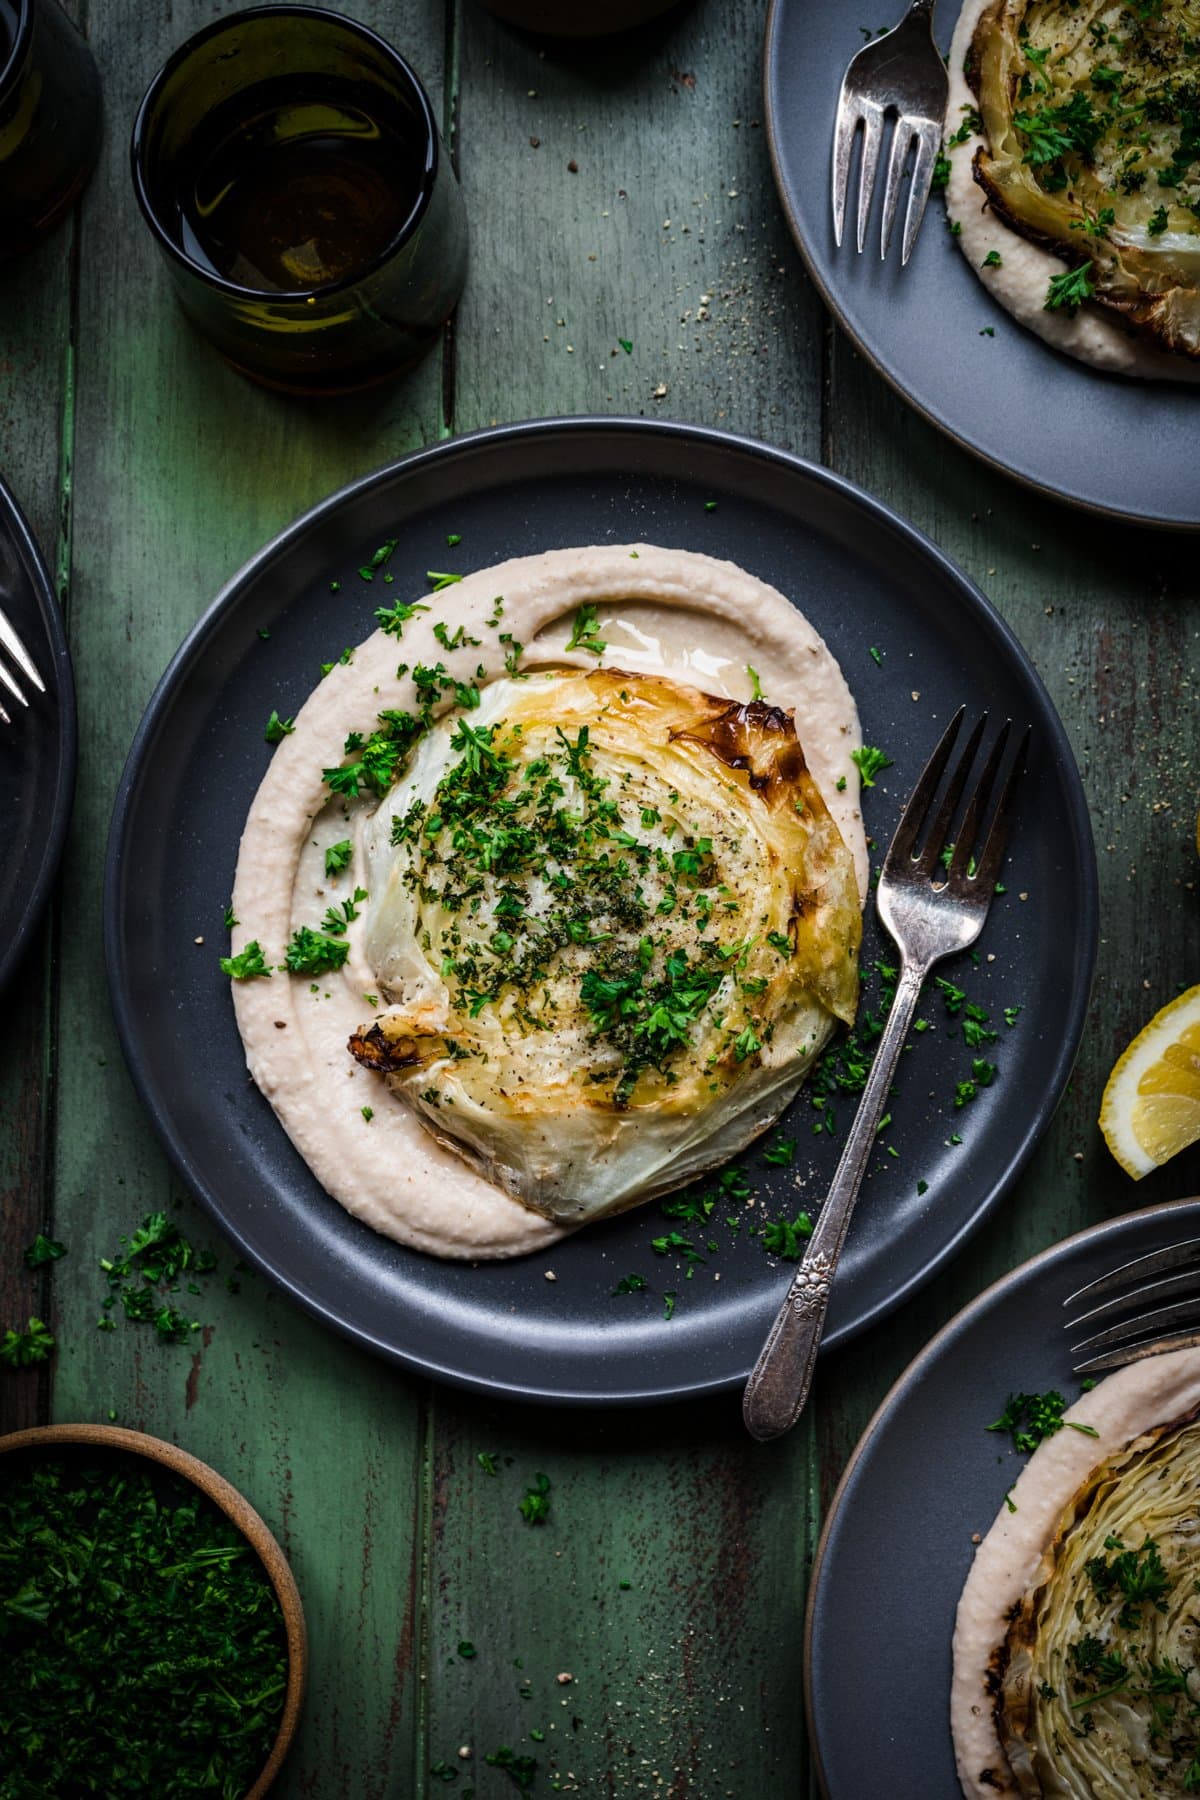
<point>1162,1293</point>
<point>13,652</point>
<point>931,911</point>
<point>902,74</point>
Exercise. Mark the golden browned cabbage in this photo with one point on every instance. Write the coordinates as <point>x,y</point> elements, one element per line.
<point>1101,1696</point>
<point>1090,115</point>
<point>614,924</point>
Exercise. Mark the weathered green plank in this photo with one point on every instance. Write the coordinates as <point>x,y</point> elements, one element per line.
<point>667,1582</point>
<point>34,316</point>
<point>181,470</point>
<point>666,233</point>
<point>687,1682</point>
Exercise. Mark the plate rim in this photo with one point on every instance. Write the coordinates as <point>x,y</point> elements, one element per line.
<point>909,1377</point>
<point>828,297</point>
<point>54,625</point>
<point>194,641</point>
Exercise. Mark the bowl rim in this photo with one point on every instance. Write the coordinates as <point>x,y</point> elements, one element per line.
<point>139,152</point>
<point>240,1513</point>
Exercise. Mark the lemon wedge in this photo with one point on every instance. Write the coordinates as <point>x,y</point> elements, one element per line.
<point>1151,1105</point>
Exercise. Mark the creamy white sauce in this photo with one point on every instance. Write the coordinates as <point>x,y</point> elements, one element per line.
<point>1120,1408</point>
<point>685,615</point>
<point>1021,282</point>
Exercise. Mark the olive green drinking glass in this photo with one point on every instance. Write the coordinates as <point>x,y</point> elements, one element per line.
<point>50,119</point>
<point>289,166</point>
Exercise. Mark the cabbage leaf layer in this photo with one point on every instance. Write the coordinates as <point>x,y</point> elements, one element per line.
<point>1101,1696</point>
<point>614,924</point>
<point>1090,115</point>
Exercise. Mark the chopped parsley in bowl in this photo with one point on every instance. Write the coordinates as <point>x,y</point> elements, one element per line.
<point>151,1632</point>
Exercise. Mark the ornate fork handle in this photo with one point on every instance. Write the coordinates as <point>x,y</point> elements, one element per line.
<point>778,1387</point>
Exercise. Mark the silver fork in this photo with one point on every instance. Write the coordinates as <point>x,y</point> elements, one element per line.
<point>1165,1283</point>
<point>12,647</point>
<point>931,913</point>
<point>901,73</point>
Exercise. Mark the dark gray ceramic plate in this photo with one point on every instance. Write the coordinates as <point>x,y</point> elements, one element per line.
<point>925,1475</point>
<point>37,751</point>
<point>866,580</point>
<point>1115,445</point>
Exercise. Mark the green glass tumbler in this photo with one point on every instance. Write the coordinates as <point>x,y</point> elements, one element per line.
<point>289,166</point>
<point>50,120</point>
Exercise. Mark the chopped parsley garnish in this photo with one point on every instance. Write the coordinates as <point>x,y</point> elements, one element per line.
<point>277,729</point>
<point>487,1462</point>
<point>381,556</point>
<point>585,633</point>
<point>20,1350</point>
<point>669,1300</point>
<point>520,1770</point>
<point>146,1273</point>
<point>313,953</point>
<point>43,1250</point>
<point>756,691</point>
<point>144,1647</point>
<point>1069,290</point>
<point>1156,224</point>
<point>246,964</point>
<point>786,1240</point>
<point>534,1505</point>
<point>781,1153</point>
<point>1052,132</point>
<point>1031,1418</point>
<point>993,260</point>
<point>631,1284</point>
<point>337,918</point>
<point>393,619</point>
<point>1137,1575</point>
<point>626,345</point>
<point>337,858</point>
<point>441,579</point>
<point>869,761</point>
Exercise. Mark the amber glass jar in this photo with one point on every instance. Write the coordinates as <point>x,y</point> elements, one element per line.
<point>289,165</point>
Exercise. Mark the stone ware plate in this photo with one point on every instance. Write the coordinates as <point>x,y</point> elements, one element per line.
<point>115,1440</point>
<point>896,1547</point>
<point>866,580</point>
<point>1117,446</point>
<point>37,751</point>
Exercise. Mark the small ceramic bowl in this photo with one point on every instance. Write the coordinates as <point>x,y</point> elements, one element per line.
<point>241,1513</point>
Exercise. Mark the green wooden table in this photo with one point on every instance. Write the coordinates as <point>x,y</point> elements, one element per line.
<point>614,193</point>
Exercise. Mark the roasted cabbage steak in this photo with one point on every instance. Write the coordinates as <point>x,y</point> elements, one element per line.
<point>1089,112</point>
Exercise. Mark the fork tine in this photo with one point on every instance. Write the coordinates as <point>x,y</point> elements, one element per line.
<point>1145,1325</point>
<point>902,140</point>
<point>992,855</point>
<point>20,655</point>
<point>868,168</point>
<point>844,130</point>
<point>1155,1262</point>
<point>940,829</point>
<point>928,138</point>
<point>1118,1359</point>
<point>7,680</point>
<point>912,819</point>
<point>968,831</point>
<point>1186,1282</point>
